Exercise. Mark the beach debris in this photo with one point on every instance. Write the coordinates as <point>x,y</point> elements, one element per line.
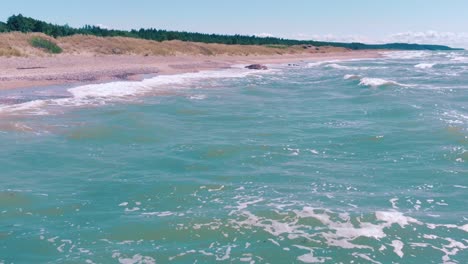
<point>256,67</point>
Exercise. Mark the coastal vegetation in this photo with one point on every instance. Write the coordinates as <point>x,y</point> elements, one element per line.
<point>45,44</point>
<point>26,24</point>
<point>3,27</point>
<point>19,44</point>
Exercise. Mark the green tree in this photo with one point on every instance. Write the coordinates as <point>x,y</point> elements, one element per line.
<point>27,24</point>
<point>3,27</point>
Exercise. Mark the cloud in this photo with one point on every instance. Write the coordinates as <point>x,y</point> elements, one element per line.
<point>456,39</point>
<point>103,26</point>
<point>453,39</point>
<point>332,37</point>
<point>264,35</point>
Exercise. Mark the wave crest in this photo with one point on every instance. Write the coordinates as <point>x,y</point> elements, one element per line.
<point>424,65</point>
<point>99,94</point>
<point>378,82</point>
<point>351,77</point>
<point>406,54</point>
<point>343,67</point>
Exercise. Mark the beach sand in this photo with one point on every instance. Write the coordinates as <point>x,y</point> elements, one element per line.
<point>24,72</point>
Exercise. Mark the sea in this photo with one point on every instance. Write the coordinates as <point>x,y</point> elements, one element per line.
<point>339,161</point>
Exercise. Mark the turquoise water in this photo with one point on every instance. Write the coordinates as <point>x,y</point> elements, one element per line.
<point>331,162</point>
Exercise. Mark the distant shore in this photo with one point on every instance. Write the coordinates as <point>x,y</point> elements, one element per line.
<point>25,72</point>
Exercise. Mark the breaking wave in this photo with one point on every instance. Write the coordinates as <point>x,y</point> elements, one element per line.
<point>424,65</point>
<point>100,94</point>
<point>351,77</point>
<point>406,54</point>
<point>377,82</point>
<point>342,67</point>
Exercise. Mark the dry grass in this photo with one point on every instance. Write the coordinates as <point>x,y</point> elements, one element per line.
<point>119,45</point>
<point>7,46</point>
<point>17,44</point>
<point>9,52</point>
<point>20,44</point>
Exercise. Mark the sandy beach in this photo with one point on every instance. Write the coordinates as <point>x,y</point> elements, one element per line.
<point>24,72</point>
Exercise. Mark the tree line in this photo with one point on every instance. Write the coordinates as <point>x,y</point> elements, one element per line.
<point>27,24</point>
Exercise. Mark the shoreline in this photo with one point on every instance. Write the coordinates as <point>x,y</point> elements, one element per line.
<point>36,72</point>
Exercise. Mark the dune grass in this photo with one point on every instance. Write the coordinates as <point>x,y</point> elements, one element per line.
<point>38,44</point>
<point>9,52</point>
<point>45,44</point>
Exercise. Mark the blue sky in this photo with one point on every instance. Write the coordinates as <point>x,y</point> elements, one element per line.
<point>430,21</point>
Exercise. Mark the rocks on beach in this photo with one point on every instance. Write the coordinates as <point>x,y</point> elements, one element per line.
<point>256,67</point>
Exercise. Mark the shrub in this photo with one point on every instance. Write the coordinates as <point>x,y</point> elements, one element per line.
<point>3,27</point>
<point>45,44</point>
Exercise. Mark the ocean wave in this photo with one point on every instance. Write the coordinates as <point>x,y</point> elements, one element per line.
<point>351,77</point>
<point>197,97</point>
<point>100,94</point>
<point>406,54</point>
<point>342,67</point>
<point>125,89</point>
<point>378,82</point>
<point>30,108</point>
<point>424,65</point>
<point>459,59</point>
<point>315,64</point>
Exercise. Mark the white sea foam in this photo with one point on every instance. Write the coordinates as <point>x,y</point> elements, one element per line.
<point>336,229</point>
<point>396,218</point>
<point>315,64</point>
<point>326,62</point>
<point>135,259</point>
<point>30,108</point>
<point>98,94</point>
<point>351,77</point>
<point>343,67</point>
<point>378,82</point>
<point>366,257</point>
<point>125,89</point>
<point>406,54</point>
<point>197,97</point>
<point>397,247</point>
<point>424,65</point>
<point>459,59</point>
<point>309,257</point>
<point>160,214</point>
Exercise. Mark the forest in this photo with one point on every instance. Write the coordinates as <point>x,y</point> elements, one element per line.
<point>26,24</point>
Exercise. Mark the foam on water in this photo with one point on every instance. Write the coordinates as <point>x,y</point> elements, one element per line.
<point>352,77</point>
<point>126,89</point>
<point>100,94</point>
<point>424,65</point>
<point>326,228</point>
<point>30,108</point>
<point>405,55</point>
<point>302,165</point>
<point>378,82</point>
<point>343,67</point>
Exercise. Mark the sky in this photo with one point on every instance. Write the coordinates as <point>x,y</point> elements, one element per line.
<point>370,21</point>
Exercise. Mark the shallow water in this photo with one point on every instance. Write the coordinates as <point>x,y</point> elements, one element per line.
<point>332,162</point>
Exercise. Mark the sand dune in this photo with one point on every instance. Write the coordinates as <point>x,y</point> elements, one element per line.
<point>17,44</point>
